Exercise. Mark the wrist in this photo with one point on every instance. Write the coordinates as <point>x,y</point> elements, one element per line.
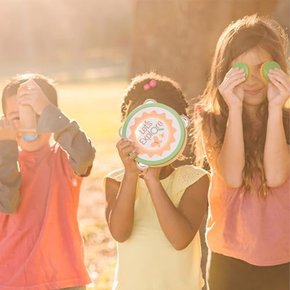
<point>9,135</point>
<point>275,114</point>
<point>238,108</point>
<point>131,174</point>
<point>153,184</point>
<point>151,179</point>
<point>276,109</point>
<point>235,111</point>
<point>8,138</point>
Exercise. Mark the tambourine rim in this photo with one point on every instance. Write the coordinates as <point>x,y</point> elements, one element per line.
<point>181,143</point>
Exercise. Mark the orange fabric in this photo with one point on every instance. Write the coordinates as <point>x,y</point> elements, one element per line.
<point>40,245</point>
<point>247,227</point>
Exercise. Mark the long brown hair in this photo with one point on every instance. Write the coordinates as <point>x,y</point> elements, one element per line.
<point>212,112</point>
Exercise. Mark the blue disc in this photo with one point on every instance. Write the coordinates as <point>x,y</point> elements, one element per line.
<point>30,137</point>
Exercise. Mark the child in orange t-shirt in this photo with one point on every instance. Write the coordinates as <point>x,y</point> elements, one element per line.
<point>40,244</point>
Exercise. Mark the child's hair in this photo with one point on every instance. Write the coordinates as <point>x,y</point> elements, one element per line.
<point>44,83</point>
<point>164,90</point>
<point>212,112</point>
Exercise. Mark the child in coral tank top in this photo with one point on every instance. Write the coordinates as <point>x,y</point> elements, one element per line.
<point>239,128</point>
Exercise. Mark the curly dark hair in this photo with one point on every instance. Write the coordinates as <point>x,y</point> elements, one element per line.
<point>166,92</point>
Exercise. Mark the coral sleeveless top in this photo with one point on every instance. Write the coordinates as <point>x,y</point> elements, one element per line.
<point>248,227</point>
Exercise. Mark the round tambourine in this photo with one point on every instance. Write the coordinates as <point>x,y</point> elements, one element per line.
<point>158,131</point>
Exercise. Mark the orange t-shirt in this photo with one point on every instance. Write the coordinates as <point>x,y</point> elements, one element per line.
<point>40,245</point>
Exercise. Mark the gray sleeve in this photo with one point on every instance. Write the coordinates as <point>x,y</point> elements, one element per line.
<point>70,137</point>
<point>9,177</point>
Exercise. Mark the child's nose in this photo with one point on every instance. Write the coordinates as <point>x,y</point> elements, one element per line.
<point>254,75</point>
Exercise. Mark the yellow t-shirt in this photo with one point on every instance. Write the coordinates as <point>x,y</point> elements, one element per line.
<point>147,260</point>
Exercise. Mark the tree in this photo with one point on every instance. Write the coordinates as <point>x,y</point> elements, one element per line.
<point>177,38</point>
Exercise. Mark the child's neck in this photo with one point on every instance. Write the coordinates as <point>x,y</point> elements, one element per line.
<point>166,171</point>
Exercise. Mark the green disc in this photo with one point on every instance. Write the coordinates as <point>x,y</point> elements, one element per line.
<point>266,67</point>
<point>244,67</point>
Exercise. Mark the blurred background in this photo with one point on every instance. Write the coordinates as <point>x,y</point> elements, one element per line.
<point>92,48</point>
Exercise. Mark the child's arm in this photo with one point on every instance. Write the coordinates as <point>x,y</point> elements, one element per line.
<point>233,144</point>
<point>70,137</point>
<point>121,197</point>
<point>276,152</point>
<point>9,174</point>
<point>178,224</point>
<point>120,206</point>
<point>66,132</point>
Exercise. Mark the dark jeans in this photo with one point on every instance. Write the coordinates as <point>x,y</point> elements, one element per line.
<point>226,273</point>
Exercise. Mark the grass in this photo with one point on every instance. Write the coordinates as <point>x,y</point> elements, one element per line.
<point>96,107</point>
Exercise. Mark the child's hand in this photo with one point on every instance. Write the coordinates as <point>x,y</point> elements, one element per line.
<point>278,88</point>
<point>29,93</point>
<point>232,93</point>
<point>7,129</point>
<point>128,152</point>
<point>151,173</point>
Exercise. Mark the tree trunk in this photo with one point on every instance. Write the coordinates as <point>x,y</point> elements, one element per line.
<point>177,37</point>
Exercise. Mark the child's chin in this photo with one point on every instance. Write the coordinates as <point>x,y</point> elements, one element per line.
<point>34,145</point>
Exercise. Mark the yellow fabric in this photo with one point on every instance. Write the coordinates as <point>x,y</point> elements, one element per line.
<point>147,260</point>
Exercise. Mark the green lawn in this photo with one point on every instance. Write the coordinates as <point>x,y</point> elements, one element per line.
<point>96,107</point>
